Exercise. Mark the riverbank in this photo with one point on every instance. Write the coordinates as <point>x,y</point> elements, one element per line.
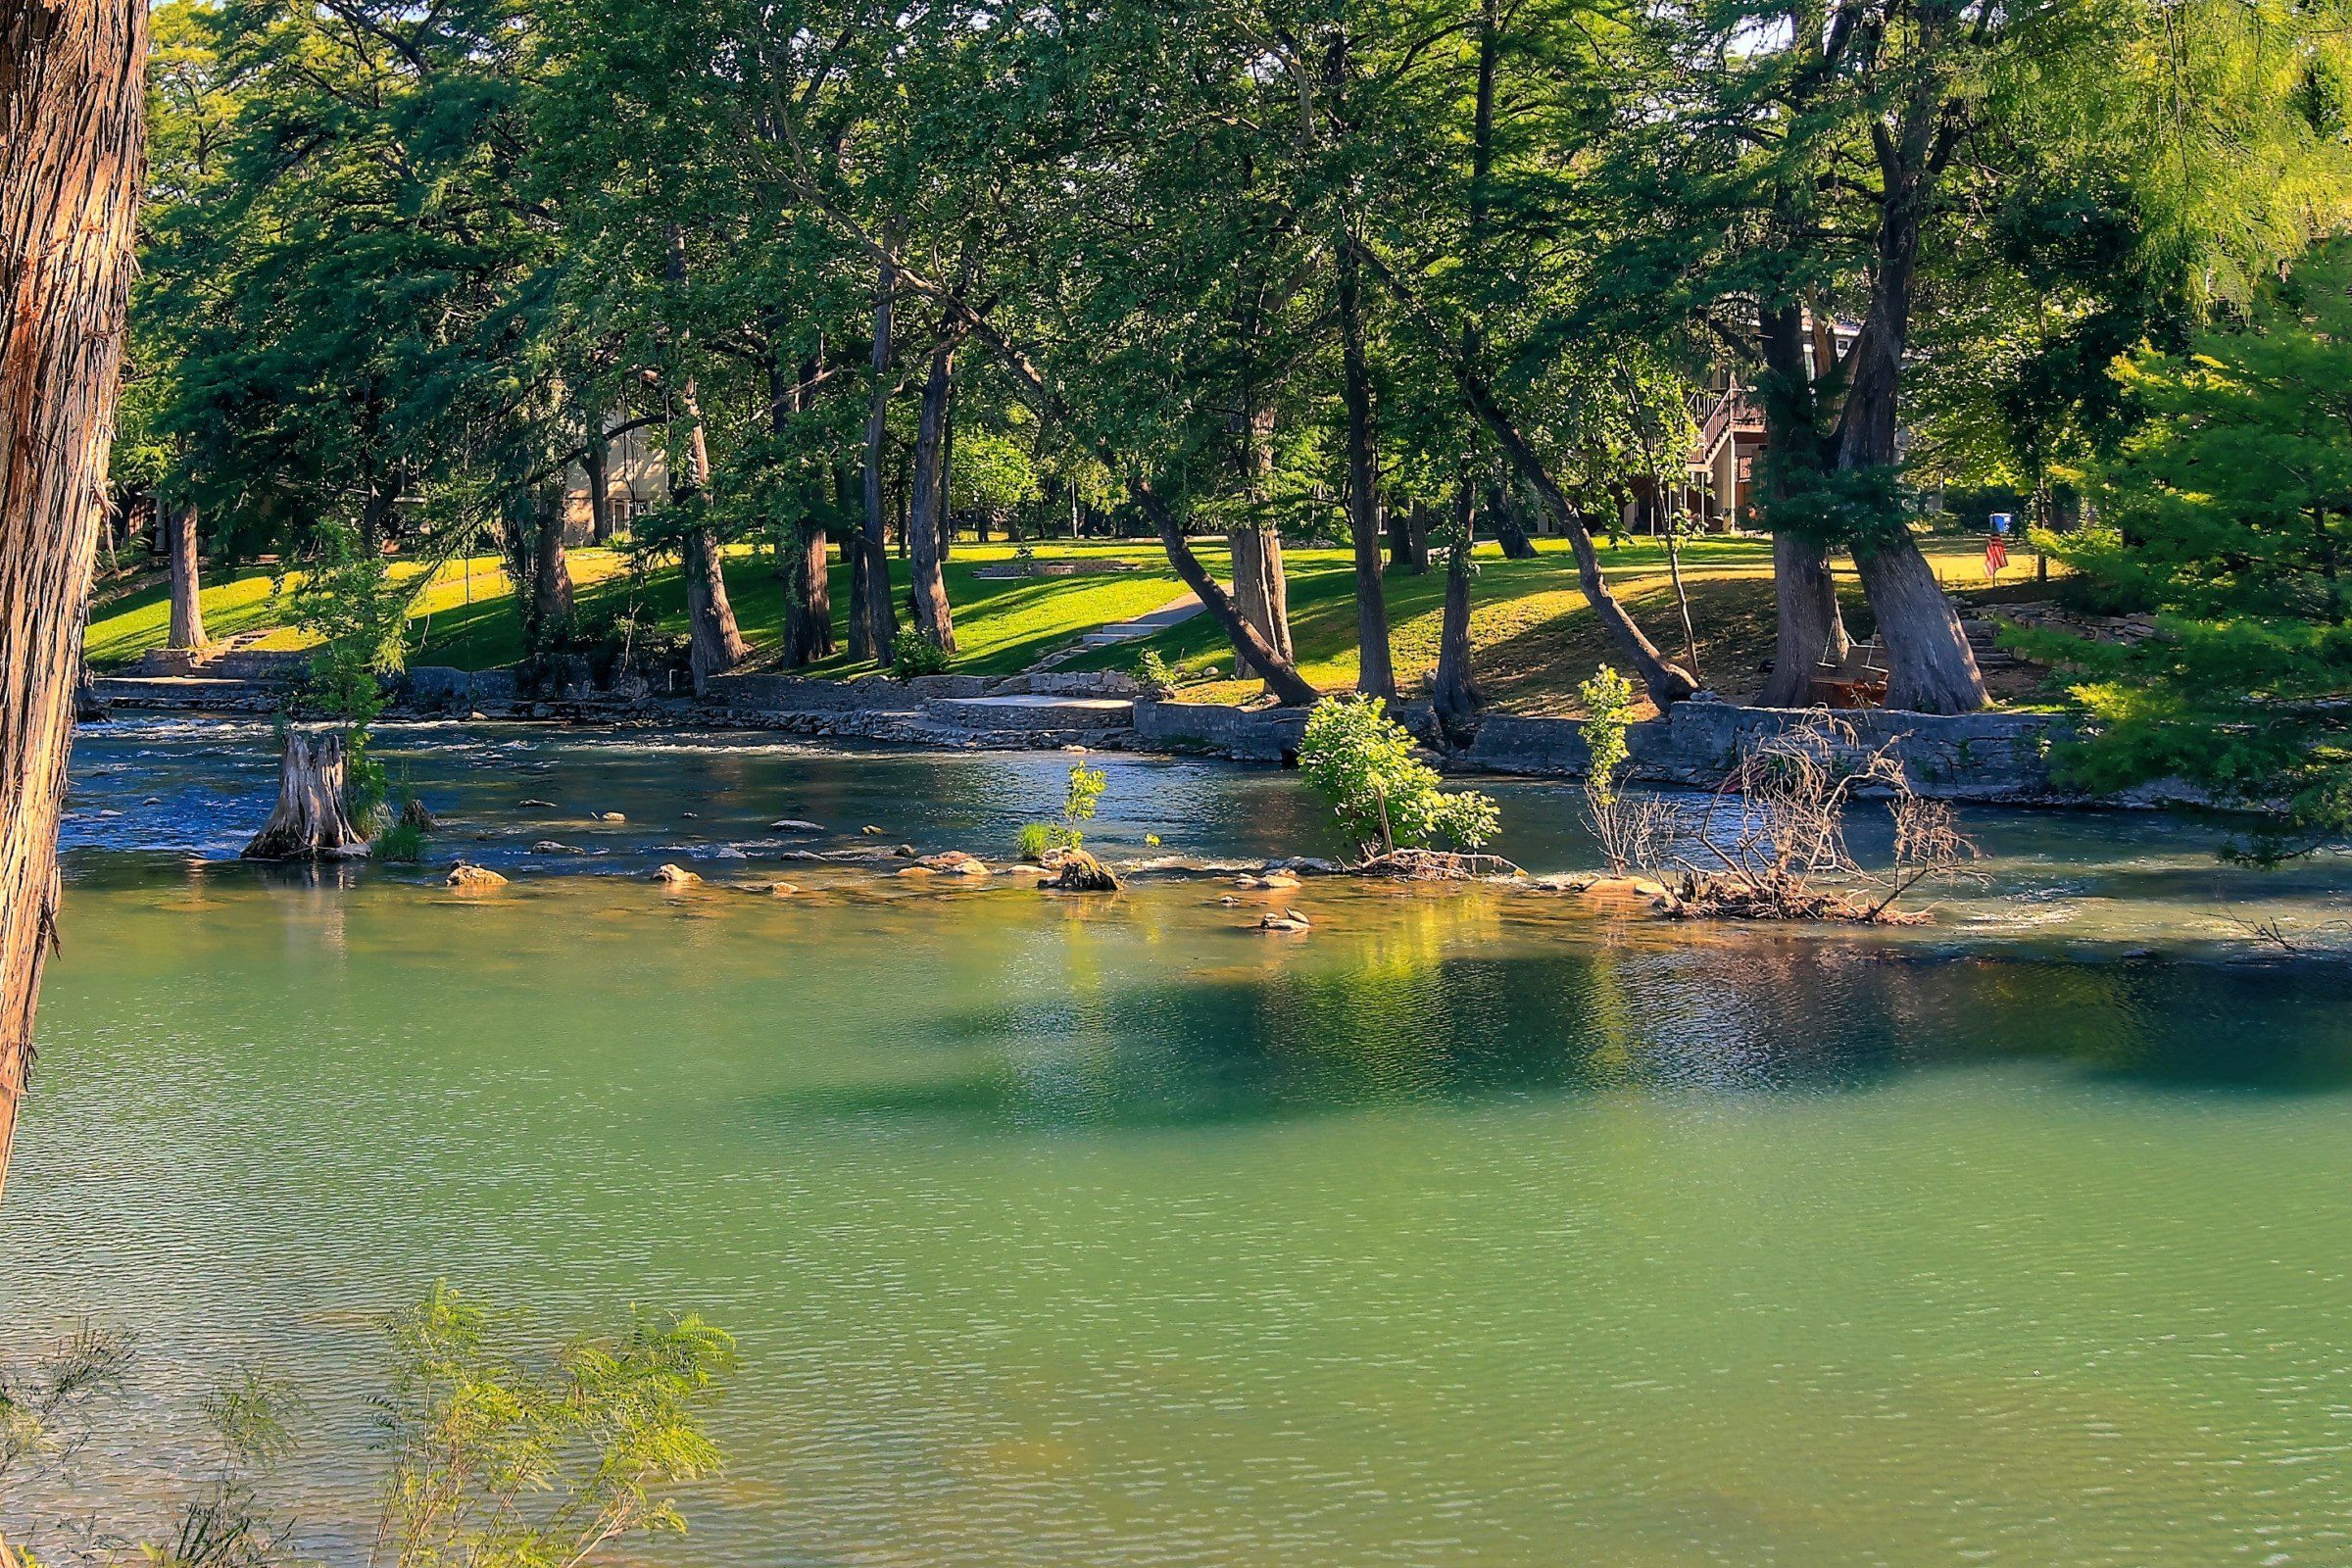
<point>1994,757</point>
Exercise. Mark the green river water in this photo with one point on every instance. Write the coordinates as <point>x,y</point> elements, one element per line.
<point>1471,1227</point>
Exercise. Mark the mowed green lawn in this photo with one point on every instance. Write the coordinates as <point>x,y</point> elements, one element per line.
<point>1533,636</point>
<point>469,617</point>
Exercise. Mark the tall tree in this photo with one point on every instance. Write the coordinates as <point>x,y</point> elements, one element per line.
<point>2229,514</point>
<point>71,175</point>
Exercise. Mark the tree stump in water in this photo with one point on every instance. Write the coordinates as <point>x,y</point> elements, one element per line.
<point>309,823</point>
<point>1076,871</point>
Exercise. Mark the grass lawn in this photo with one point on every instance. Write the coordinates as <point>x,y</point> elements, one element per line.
<point>1535,637</point>
<point>468,615</point>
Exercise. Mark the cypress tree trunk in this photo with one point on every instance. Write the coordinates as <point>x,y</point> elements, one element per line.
<point>1930,666</point>
<point>595,463</point>
<point>926,520</point>
<point>1811,628</point>
<point>946,476</point>
<point>1376,675</point>
<point>1260,590</point>
<point>309,822</point>
<point>873,620</point>
<point>716,644</point>
<point>188,608</point>
<point>71,175</point>
<point>1454,690</point>
<point>551,570</point>
<point>808,609</point>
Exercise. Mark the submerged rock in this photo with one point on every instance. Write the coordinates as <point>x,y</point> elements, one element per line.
<point>794,824</point>
<point>1286,920</point>
<point>465,879</point>
<point>608,816</point>
<point>1629,895</point>
<point>953,863</point>
<point>550,847</point>
<point>530,804</point>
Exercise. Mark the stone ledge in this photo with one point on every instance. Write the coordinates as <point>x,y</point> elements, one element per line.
<point>1959,756</point>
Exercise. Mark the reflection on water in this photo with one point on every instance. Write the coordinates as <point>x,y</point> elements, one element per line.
<point>1468,1228</point>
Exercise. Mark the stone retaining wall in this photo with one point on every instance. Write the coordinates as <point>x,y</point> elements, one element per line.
<point>1959,756</point>
<point>1246,734</point>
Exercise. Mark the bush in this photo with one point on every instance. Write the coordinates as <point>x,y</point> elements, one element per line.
<point>1156,675</point>
<point>918,656</point>
<point>1630,829</point>
<point>1040,838</point>
<point>1085,790</point>
<point>403,841</point>
<point>1385,796</point>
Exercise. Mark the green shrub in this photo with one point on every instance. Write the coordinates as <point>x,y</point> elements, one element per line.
<point>917,655</point>
<point>1078,802</point>
<point>1608,700</point>
<point>1157,675</point>
<point>1385,796</point>
<point>1037,838</point>
<point>402,841</point>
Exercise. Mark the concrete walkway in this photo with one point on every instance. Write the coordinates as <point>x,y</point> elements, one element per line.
<point>1177,611</point>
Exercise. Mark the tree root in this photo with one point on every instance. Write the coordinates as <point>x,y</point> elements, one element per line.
<point>1703,897</point>
<point>1437,866</point>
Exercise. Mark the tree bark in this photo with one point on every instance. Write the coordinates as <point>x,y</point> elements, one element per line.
<point>926,522</point>
<point>596,463</point>
<point>1376,674</point>
<point>309,822</point>
<point>71,175</point>
<point>1811,628</point>
<point>1260,589</point>
<point>1510,533</point>
<point>873,620</point>
<point>1930,666</point>
<point>715,642</point>
<point>809,590</point>
<point>1454,692</point>
<point>946,477</point>
<point>187,608</point>
<point>551,567</point>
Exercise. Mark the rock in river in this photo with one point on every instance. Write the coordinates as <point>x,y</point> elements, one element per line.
<point>677,876</point>
<point>465,879</point>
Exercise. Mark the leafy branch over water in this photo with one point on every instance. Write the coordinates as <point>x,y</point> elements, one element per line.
<point>497,1456</point>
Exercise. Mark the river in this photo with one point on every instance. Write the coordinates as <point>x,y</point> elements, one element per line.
<point>1471,1227</point>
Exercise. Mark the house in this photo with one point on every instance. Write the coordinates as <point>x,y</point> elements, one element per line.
<point>1725,463</point>
<point>636,477</point>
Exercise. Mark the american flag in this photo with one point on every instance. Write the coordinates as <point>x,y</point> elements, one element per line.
<point>1996,555</point>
